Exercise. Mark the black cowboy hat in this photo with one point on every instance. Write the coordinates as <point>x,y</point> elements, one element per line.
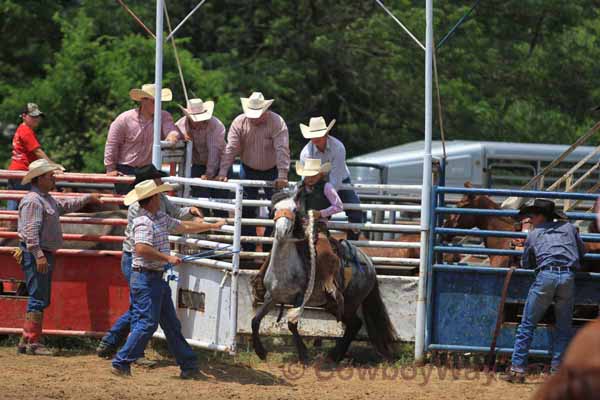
<point>147,172</point>
<point>541,206</point>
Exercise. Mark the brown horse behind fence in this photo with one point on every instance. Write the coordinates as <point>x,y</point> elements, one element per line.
<point>497,223</point>
<point>486,222</point>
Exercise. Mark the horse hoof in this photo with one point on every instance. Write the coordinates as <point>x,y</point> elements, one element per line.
<point>261,353</point>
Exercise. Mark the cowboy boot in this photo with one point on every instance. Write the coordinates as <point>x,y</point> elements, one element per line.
<point>34,347</point>
<point>28,333</point>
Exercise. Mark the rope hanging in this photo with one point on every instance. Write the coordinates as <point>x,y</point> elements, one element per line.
<point>135,17</point>
<point>185,93</point>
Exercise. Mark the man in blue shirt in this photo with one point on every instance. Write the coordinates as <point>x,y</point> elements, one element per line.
<point>328,149</point>
<point>555,250</point>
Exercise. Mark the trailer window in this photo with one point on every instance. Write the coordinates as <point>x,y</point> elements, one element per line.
<point>190,299</point>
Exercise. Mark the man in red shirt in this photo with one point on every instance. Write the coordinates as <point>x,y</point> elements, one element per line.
<point>26,148</point>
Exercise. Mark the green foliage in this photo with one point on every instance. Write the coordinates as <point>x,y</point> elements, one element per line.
<point>522,70</point>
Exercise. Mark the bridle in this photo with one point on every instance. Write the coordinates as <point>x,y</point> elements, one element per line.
<point>285,213</point>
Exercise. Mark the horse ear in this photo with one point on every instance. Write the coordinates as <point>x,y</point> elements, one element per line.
<point>468,184</point>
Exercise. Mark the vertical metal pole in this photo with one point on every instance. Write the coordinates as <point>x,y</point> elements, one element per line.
<point>426,189</point>
<point>237,236</point>
<point>187,169</point>
<point>158,73</point>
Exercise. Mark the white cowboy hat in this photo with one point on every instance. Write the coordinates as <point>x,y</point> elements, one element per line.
<point>149,91</point>
<point>198,110</point>
<point>146,189</point>
<point>255,105</point>
<point>311,167</point>
<point>40,167</point>
<point>316,128</point>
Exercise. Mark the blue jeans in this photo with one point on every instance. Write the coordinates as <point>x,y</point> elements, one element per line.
<point>151,304</point>
<point>197,191</point>
<point>549,286</point>
<point>119,331</point>
<point>15,184</point>
<point>251,193</point>
<point>354,216</point>
<point>38,285</point>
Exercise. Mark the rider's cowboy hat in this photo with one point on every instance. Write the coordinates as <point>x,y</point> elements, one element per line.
<point>146,189</point>
<point>316,128</point>
<point>541,206</point>
<point>311,167</point>
<point>255,105</point>
<point>198,110</point>
<point>40,167</point>
<point>149,91</point>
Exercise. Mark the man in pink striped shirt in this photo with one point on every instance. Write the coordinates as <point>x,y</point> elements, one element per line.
<point>207,134</point>
<point>131,135</point>
<point>260,138</point>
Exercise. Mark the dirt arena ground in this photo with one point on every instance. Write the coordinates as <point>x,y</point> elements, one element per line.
<point>82,375</point>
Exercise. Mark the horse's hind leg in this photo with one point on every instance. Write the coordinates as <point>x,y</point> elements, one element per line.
<point>353,325</point>
<point>262,311</point>
<point>302,351</point>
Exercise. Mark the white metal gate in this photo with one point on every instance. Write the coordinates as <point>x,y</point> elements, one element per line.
<point>205,292</point>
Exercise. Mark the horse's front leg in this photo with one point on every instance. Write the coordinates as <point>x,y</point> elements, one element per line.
<point>300,346</point>
<point>260,314</point>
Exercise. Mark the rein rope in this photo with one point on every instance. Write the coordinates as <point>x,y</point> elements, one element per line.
<point>295,313</point>
<point>197,256</point>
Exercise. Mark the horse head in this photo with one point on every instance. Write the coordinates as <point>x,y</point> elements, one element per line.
<point>285,207</point>
<point>464,221</point>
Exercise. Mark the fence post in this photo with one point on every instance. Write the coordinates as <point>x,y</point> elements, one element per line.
<point>426,189</point>
<point>237,234</point>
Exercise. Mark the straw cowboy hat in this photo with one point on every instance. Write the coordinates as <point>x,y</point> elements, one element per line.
<point>311,167</point>
<point>146,189</point>
<point>255,105</point>
<point>149,91</point>
<point>316,128</point>
<point>541,206</point>
<point>198,110</point>
<point>38,168</point>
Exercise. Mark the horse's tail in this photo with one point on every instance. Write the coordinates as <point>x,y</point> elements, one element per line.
<point>294,314</point>
<point>379,326</point>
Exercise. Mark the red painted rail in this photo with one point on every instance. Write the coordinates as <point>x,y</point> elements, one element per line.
<point>14,216</point>
<point>19,194</point>
<point>72,177</point>
<point>74,236</point>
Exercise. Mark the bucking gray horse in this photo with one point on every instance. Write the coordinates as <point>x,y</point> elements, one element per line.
<point>288,280</point>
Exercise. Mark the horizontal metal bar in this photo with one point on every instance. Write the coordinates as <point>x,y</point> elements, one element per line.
<point>395,260</point>
<point>590,237</point>
<point>384,244</point>
<point>494,252</point>
<point>496,270</point>
<point>201,183</point>
<point>375,227</point>
<point>354,186</point>
<point>480,349</point>
<point>207,262</point>
<point>505,213</point>
<point>476,250</point>
<point>518,193</point>
<point>198,343</point>
<point>198,242</point>
<point>75,237</point>
<point>200,203</point>
<point>72,252</point>
<point>13,216</point>
<point>56,332</point>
